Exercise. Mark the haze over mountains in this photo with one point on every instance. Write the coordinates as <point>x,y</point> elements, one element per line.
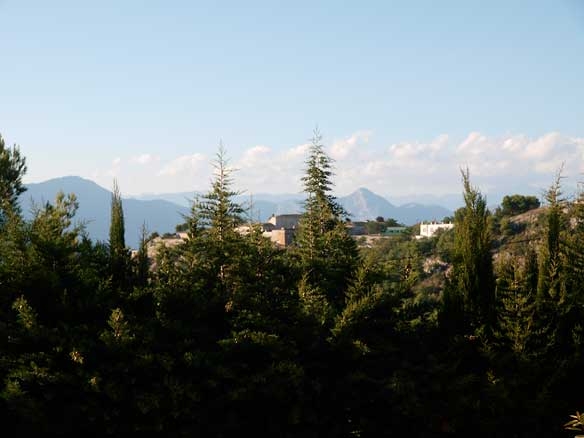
<point>162,212</point>
<point>94,208</point>
<point>362,205</point>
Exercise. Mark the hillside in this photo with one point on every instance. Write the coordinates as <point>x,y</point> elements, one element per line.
<point>512,237</point>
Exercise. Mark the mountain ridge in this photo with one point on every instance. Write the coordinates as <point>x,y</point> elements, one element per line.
<point>363,204</point>
<point>94,208</point>
<point>159,213</point>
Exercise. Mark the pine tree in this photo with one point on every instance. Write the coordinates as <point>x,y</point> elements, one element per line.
<point>213,222</point>
<point>12,170</point>
<point>328,255</point>
<point>58,313</point>
<point>216,211</point>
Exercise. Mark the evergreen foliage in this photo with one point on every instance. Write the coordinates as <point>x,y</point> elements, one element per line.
<point>226,334</point>
<point>119,254</point>
<point>549,282</point>
<point>327,254</point>
<point>471,287</point>
<point>517,204</point>
<point>12,170</point>
<point>142,266</point>
<point>216,212</point>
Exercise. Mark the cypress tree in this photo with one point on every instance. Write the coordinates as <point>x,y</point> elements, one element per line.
<point>142,260</point>
<point>471,288</point>
<point>549,280</point>
<point>119,257</point>
<point>516,299</point>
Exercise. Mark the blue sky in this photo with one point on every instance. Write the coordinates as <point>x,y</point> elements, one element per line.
<point>404,92</point>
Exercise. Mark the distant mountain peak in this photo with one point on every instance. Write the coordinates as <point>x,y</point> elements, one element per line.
<point>68,184</point>
<point>363,204</point>
<point>68,178</point>
<point>365,190</point>
<point>94,208</point>
<point>162,212</point>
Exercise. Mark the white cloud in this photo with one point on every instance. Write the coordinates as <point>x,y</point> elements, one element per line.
<point>408,153</point>
<point>115,168</point>
<point>415,157</point>
<point>342,148</point>
<point>473,144</point>
<point>296,152</point>
<point>519,155</point>
<point>145,159</point>
<point>515,143</point>
<point>502,164</point>
<point>543,146</point>
<point>507,163</point>
<point>264,170</point>
<point>186,164</point>
<point>254,156</point>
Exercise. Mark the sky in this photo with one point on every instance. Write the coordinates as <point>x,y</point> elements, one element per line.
<point>404,93</point>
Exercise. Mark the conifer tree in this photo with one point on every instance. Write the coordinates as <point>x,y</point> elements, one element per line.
<point>119,256</point>
<point>328,255</point>
<point>213,221</point>
<point>12,170</point>
<point>142,260</point>
<point>471,288</point>
<point>560,293</point>
<point>573,260</point>
<point>549,282</point>
<point>58,312</point>
<point>216,211</point>
<point>516,291</point>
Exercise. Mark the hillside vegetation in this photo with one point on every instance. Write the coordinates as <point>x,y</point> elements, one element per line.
<point>474,332</point>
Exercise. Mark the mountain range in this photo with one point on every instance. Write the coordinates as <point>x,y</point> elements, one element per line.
<point>361,205</point>
<point>94,208</point>
<point>162,212</point>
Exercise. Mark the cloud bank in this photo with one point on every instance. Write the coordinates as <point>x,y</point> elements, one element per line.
<point>505,164</point>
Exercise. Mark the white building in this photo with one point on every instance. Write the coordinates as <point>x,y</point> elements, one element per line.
<point>429,229</point>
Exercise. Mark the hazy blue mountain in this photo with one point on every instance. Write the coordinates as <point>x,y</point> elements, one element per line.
<point>450,201</point>
<point>263,205</point>
<point>277,198</point>
<point>94,208</point>
<point>413,213</point>
<point>163,212</point>
<point>363,204</point>
<point>183,199</point>
<point>454,201</point>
